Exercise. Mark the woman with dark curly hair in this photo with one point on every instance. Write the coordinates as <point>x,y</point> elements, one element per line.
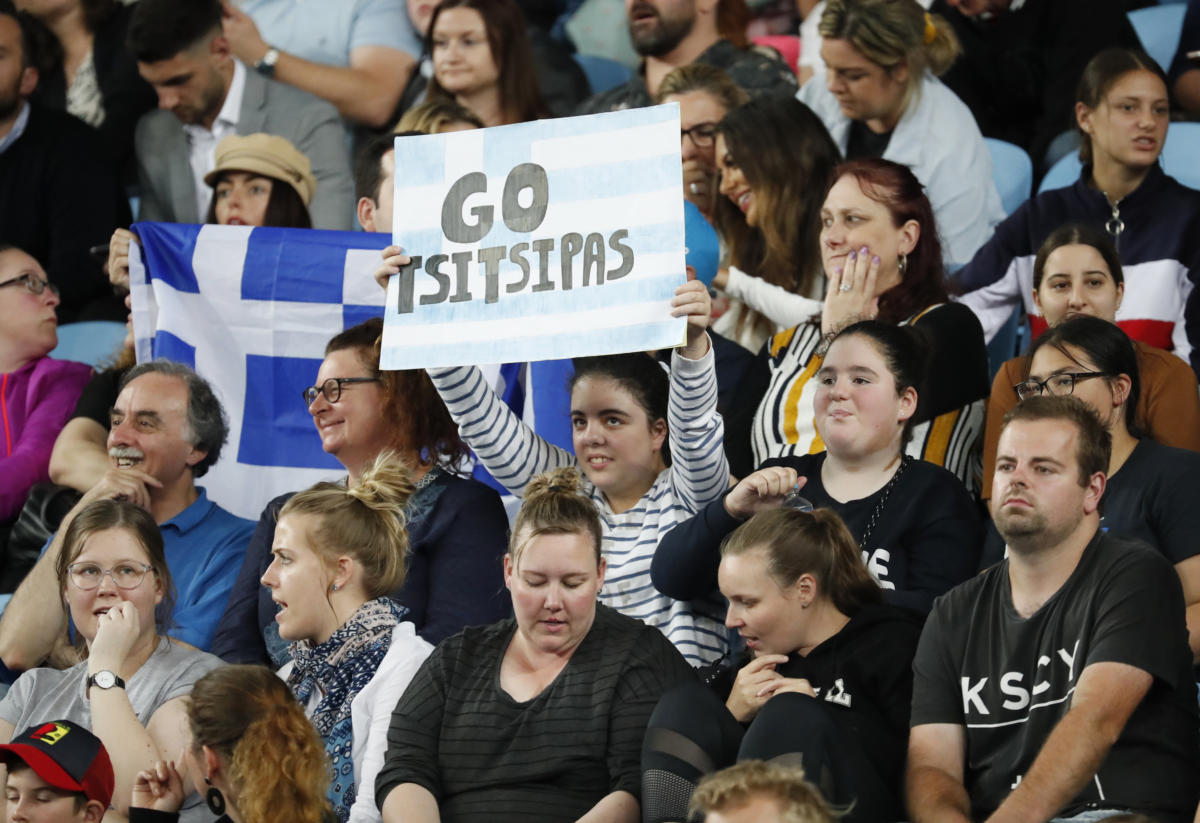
<point>454,574</point>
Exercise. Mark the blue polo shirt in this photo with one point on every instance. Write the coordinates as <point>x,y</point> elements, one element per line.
<point>205,546</point>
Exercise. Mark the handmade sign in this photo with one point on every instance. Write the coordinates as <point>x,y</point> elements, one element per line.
<point>552,239</point>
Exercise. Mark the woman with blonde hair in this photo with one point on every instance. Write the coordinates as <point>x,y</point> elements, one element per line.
<point>566,687</point>
<point>254,755</point>
<point>338,551</point>
<point>825,678</point>
<point>441,114</point>
<point>880,97</point>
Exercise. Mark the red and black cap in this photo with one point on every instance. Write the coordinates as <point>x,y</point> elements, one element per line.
<point>65,755</point>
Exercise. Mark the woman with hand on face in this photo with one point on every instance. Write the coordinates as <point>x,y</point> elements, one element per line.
<point>252,754</point>
<point>565,686</point>
<point>1121,111</point>
<point>826,676</point>
<point>482,59</point>
<point>623,409</point>
<point>880,97</point>
<point>775,160</point>
<point>705,94</point>
<point>338,552</point>
<point>453,574</point>
<point>130,690</point>
<point>1077,272</point>
<point>882,258</point>
<point>1151,490</point>
<point>917,525</point>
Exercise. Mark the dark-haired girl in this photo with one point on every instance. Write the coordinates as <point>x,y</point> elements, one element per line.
<point>826,676</point>
<point>622,408</point>
<point>883,260</point>
<point>483,60</point>
<point>775,160</point>
<point>1077,272</point>
<point>917,526</point>
<point>1151,489</point>
<point>1121,112</point>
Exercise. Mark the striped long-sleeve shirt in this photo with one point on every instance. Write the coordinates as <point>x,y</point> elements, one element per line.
<point>699,473</point>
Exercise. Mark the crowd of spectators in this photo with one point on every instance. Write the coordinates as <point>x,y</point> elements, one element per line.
<point>805,566</point>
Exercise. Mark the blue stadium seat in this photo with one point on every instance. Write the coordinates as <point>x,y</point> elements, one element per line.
<point>1180,158</point>
<point>1013,172</point>
<point>1062,174</point>
<point>602,73</point>
<point>1159,27</point>
<point>1181,153</point>
<point>90,342</point>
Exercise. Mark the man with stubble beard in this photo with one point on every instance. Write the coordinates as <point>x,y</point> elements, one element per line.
<point>1056,685</point>
<point>673,33</point>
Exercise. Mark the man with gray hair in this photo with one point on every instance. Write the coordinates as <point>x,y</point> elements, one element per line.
<point>167,429</point>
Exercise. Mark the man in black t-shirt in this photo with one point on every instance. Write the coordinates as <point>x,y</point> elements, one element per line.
<point>1059,681</point>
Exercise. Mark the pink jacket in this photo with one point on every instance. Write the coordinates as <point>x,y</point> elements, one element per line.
<point>36,401</point>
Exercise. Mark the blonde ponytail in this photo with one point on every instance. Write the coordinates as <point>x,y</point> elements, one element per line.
<point>366,521</point>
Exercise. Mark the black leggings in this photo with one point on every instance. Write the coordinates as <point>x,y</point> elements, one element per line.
<point>691,733</point>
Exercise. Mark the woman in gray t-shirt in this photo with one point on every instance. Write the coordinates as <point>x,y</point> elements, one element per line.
<point>129,687</point>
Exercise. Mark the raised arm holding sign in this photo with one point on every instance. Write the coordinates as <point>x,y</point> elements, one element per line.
<point>597,302</point>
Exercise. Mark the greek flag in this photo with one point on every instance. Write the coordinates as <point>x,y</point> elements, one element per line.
<point>251,310</point>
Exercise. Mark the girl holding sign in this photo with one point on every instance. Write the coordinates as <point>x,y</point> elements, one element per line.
<point>623,407</point>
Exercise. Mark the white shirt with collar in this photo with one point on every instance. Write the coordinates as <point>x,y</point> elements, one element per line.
<point>202,142</point>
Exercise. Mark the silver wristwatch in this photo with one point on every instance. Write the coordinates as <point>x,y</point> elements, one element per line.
<point>266,66</point>
<point>104,679</point>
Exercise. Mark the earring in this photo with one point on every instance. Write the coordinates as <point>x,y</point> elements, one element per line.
<point>214,799</point>
<point>903,263</point>
<point>333,588</point>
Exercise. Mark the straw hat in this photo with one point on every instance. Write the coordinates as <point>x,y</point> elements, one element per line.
<point>269,156</point>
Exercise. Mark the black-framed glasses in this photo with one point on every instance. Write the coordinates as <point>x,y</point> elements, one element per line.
<point>87,575</point>
<point>1058,384</point>
<point>702,134</point>
<point>35,284</point>
<point>332,388</point>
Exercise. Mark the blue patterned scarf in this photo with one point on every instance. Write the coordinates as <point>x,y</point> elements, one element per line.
<point>340,668</point>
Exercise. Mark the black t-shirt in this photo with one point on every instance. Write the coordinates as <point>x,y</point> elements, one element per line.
<point>1009,679</point>
<point>862,142</point>
<point>1155,498</point>
<point>926,537</point>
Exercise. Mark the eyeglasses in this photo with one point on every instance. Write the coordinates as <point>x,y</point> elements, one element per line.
<point>1057,384</point>
<point>35,284</point>
<point>88,576</point>
<point>702,134</point>
<point>332,388</point>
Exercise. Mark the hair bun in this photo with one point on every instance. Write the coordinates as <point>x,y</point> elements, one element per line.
<point>564,480</point>
<point>384,485</point>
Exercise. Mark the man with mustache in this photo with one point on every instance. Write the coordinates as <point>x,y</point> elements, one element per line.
<point>1057,685</point>
<point>674,33</point>
<point>167,429</point>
